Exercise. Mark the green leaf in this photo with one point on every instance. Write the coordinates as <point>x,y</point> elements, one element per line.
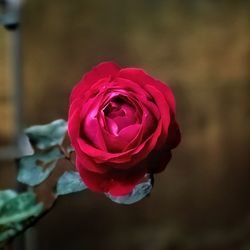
<point>20,208</point>
<point>69,182</point>
<point>5,196</point>
<point>139,192</point>
<point>9,231</point>
<point>5,235</point>
<point>34,169</point>
<point>48,135</point>
<point>15,212</point>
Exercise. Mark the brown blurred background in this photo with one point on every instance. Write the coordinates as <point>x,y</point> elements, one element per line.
<point>201,48</point>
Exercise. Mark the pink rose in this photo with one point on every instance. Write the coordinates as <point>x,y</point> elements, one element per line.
<point>122,126</point>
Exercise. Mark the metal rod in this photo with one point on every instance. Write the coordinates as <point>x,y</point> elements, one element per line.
<point>16,71</point>
<point>11,20</point>
<point>17,85</point>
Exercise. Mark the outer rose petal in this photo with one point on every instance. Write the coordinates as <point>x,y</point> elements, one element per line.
<point>163,108</point>
<point>117,183</point>
<point>158,160</point>
<point>102,70</point>
<point>141,77</point>
<point>174,135</point>
<point>83,161</point>
<point>124,183</point>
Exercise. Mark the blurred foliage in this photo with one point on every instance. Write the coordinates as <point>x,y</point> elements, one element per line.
<point>47,149</point>
<point>34,169</point>
<point>49,135</point>
<point>16,212</point>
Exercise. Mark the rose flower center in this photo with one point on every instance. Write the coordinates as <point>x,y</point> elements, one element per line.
<point>119,113</point>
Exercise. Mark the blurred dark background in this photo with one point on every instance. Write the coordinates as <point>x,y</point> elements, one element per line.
<point>201,48</point>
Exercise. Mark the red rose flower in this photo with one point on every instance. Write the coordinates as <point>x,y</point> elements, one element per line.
<point>122,126</point>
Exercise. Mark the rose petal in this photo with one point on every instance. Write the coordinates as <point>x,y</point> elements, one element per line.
<point>158,160</point>
<point>131,86</point>
<point>74,121</point>
<point>112,126</point>
<point>83,161</point>
<point>163,108</point>
<point>102,70</point>
<point>117,183</point>
<point>100,156</point>
<point>141,77</point>
<point>120,141</point>
<point>174,135</point>
<point>94,181</point>
<point>138,153</point>
<point>125,181</point>
<point>149,123</point>
<point>127,118</point>
<point>92,131</point>
<point>90,123</point>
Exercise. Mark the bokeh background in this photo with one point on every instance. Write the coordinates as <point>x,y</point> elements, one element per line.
<point>201,48</point>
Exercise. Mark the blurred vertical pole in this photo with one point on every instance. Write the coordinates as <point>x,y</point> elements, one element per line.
<point>15,51</point>
<point>11,21</point>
